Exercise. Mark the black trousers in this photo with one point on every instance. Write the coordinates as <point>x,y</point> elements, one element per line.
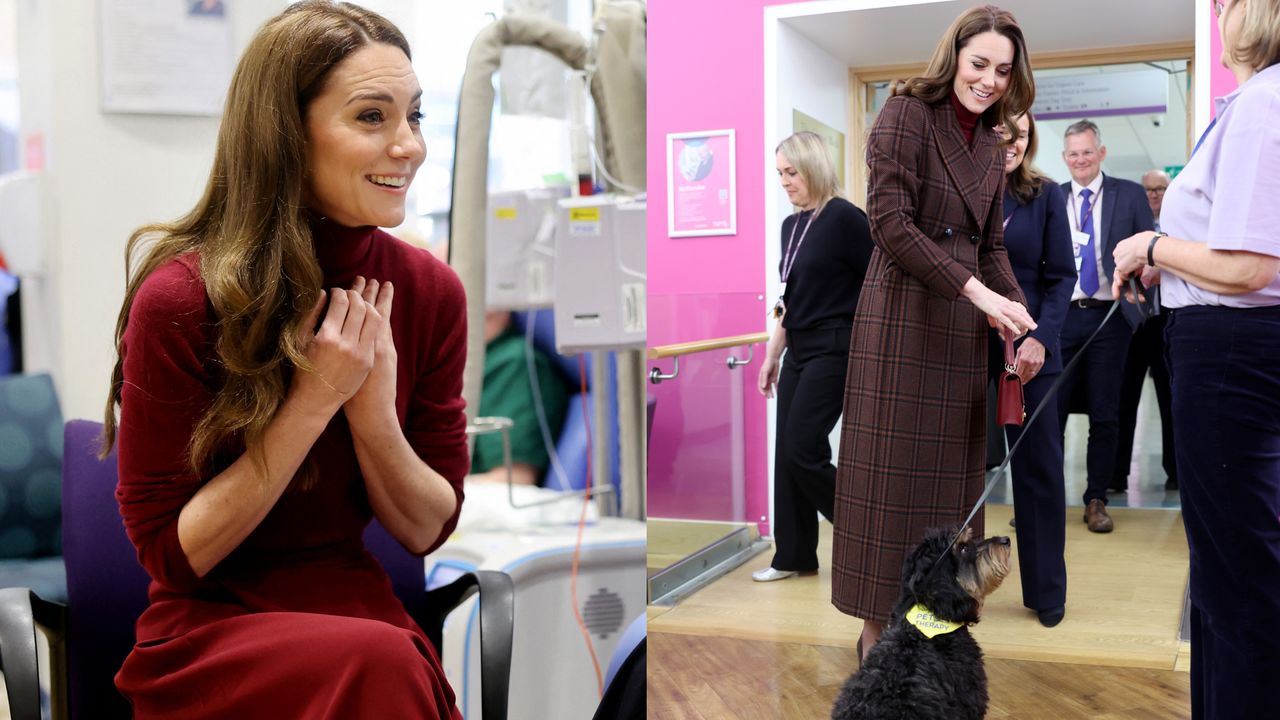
<point>810,398</point>
<point>1225,365</point>
<point>1146,351</point>
<point>1040,500</point>
<point>1100,369</point>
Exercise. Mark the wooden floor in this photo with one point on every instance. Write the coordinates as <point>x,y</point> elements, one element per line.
<point>738,649</point>
<point>1124,600</point>
<point>708,678</point>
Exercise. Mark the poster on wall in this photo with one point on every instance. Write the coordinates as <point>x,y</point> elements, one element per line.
<point>701,195</point>
<point>168,57</point>
<point>834,138</point>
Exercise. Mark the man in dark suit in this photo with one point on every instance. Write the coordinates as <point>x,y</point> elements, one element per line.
<point>1146,351</point>
<point>1102,211</point>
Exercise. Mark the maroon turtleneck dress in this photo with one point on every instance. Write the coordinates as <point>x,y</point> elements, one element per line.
<point>299,621</point>
<point>968,119</point>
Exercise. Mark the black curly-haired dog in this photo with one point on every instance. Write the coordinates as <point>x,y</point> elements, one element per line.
<point>927,665</point>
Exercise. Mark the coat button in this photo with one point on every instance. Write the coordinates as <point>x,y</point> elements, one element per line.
<point>974,239</point>
<point>947,232</point>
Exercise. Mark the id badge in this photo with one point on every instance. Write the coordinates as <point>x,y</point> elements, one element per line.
<point>1078,241</point>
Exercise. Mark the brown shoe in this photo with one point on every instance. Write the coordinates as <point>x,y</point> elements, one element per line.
<point>1097,518</point>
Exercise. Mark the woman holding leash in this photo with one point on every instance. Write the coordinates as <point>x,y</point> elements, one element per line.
<point>1037,237</point>
<point>914,431</point>
<point>1218,266</point>
<point>825,249</point>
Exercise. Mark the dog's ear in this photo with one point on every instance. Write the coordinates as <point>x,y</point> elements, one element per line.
<point>948,598</point>
<point>928,558</point>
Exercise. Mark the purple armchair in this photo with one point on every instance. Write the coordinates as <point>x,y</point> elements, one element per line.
<point>107,590</point>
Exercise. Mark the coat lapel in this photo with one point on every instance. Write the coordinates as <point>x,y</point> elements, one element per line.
<point>970,171</point>
<point>1114,234</point>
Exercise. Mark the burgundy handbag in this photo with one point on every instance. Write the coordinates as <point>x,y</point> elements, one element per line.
<point>1010,409</point>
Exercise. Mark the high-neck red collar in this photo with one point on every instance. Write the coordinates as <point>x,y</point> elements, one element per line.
<point>967,118</point>
<point>339,249</point>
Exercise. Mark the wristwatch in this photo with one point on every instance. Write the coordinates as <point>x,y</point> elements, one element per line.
<point>1151,247</point>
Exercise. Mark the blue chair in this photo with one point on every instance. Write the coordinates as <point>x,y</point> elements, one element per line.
<point>571,446</point>
<point>107,590</point>
<point>30,486</point>
<point>625,686</point>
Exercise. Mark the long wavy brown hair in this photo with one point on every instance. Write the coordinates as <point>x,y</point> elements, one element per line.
<point>935,83</point>
<point>257,260</point>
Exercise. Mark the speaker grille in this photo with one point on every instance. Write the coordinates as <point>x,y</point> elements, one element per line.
<point>603,613</point>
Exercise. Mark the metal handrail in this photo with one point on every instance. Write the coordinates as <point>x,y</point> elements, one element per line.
<point>674,351</point>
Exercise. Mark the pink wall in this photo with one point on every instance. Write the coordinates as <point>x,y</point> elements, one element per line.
<point>706,66</point>
<point>1221,81</point>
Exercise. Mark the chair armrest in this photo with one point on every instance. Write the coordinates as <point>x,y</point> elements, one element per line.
<point>497,622</point>
<point>20,611</point>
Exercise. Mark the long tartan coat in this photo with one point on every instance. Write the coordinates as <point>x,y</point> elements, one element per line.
<point>912,446</point>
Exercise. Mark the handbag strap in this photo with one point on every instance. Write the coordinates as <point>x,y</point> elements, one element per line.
<point>1010,357</point>
<point>1008,458</point>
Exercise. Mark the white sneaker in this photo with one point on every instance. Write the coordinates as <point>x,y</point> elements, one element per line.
<point>770,574</point>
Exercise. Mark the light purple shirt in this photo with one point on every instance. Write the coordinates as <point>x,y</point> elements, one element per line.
<point>1228,195</point>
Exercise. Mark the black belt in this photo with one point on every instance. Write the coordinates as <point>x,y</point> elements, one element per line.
<point>1092,304</point>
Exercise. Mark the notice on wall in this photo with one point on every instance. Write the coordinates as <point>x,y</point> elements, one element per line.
<point>1134,92</point>
<point>701,197</point>
<point>171,57</point>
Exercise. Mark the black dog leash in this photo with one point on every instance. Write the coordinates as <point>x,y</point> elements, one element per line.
<point>1053,389</point>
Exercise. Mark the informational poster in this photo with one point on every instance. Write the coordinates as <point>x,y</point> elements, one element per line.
<point>834,138</point>
<point>701,195</point>
<point>171,57</point>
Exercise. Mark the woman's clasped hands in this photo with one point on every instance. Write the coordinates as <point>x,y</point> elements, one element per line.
<point>352,353</point>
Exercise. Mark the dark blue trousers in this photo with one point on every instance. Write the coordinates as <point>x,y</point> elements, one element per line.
<point>810,398</point>
<point>1225,366</point>
<point>1102,371</point>
<point>1040,500</point>
<point>1146,351</point>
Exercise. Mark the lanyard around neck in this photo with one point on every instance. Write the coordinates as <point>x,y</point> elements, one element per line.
<point>793,246</point>
<point>1203,135</point>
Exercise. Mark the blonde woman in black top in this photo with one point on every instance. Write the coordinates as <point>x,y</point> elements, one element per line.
<point>826,246</point>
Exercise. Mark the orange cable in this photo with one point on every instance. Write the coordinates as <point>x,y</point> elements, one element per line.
<point>582,522</point>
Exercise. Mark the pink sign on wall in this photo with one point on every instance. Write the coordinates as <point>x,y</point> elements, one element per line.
<point>701,197</point>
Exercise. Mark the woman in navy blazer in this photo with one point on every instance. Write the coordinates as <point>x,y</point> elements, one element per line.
<point>1037,237</point>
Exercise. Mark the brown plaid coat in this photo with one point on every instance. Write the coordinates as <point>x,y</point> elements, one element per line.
<point>912,447</point>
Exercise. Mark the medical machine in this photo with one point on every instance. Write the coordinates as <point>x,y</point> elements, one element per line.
<point>552,675</point>
<point>600,260</point>
<point>520,262</point>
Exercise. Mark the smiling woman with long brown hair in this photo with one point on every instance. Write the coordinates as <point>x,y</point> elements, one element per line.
<point>264,419</point>
<point>914,431</point>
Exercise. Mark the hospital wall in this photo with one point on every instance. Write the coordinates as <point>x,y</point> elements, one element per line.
<point>104,175</point>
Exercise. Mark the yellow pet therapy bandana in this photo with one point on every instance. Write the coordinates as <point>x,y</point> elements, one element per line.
<point>928,623</point>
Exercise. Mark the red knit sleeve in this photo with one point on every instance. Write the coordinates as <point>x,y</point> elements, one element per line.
<point>436,423</point>
<point>166,391</point>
